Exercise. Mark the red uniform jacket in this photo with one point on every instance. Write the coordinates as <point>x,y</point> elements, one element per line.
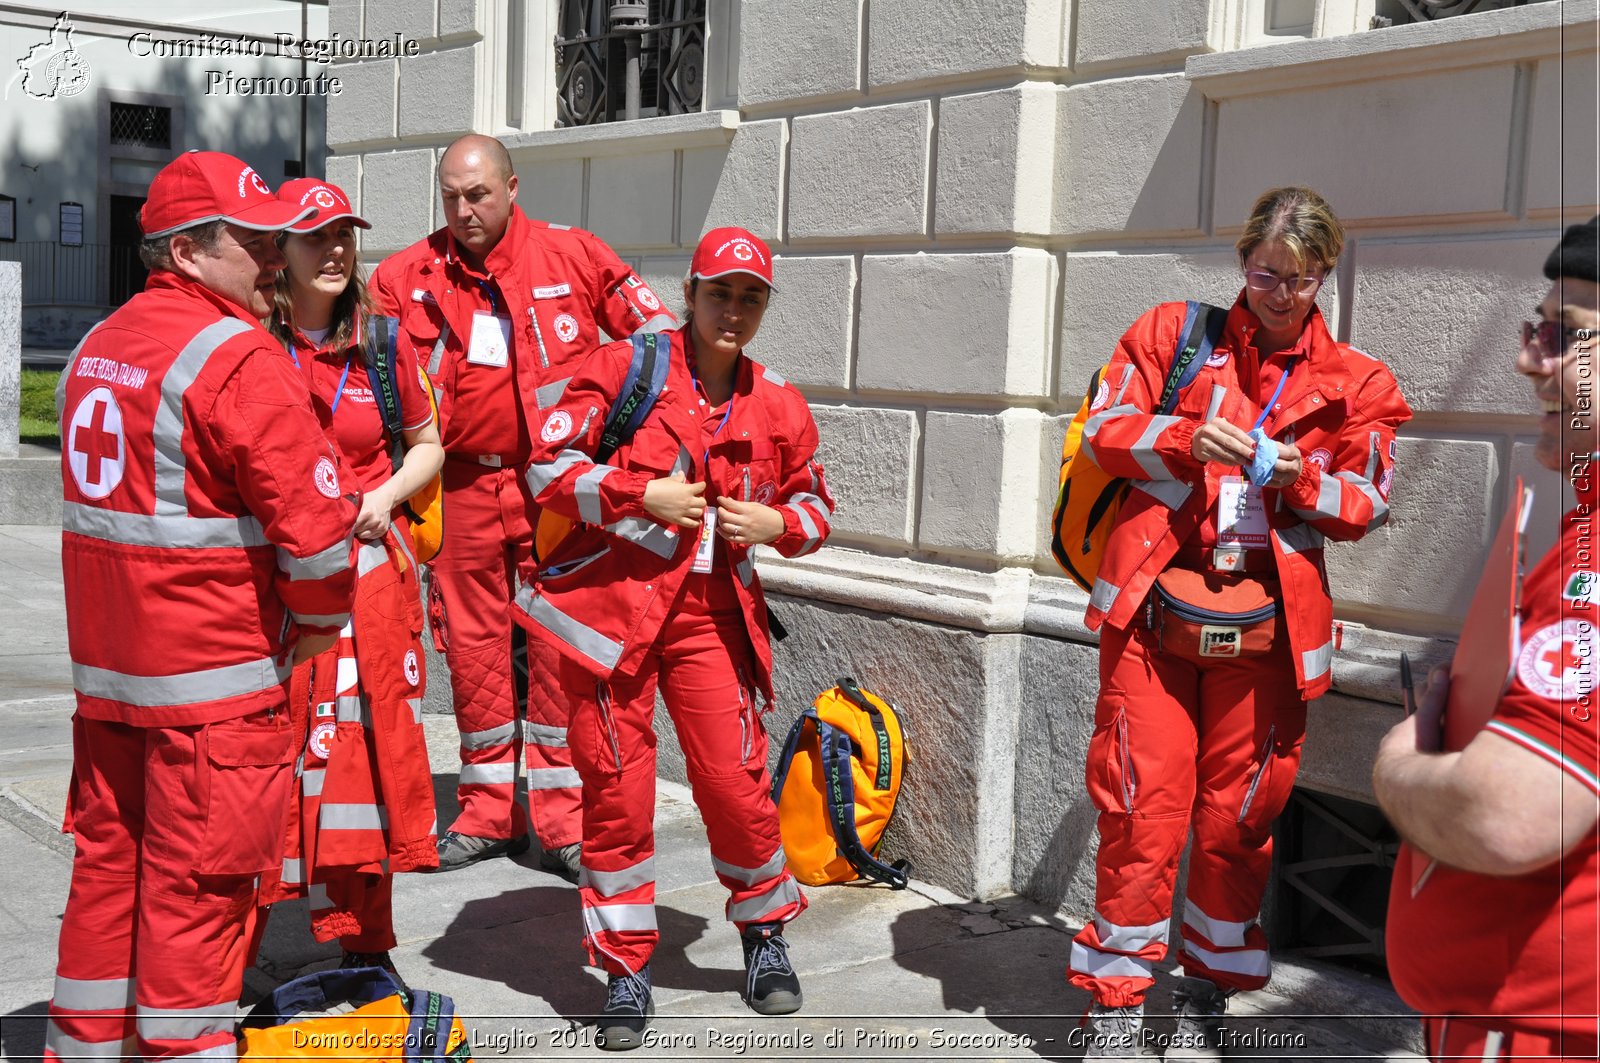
<point>205,514</point>
<point>601,596</point>
<point>1339,406</point>
<point>559,286</point>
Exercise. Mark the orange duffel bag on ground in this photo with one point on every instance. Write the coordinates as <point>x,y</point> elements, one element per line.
<point>836,784</point>
<point>390,1025</point>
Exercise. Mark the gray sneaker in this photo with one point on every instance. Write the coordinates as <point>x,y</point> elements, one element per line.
<point>562,861</point>
<point>457,850</point>
<point>1199,1006</point>
<point>1116,1033</point>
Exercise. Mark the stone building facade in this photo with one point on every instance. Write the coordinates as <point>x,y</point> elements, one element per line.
<point>970,201</point>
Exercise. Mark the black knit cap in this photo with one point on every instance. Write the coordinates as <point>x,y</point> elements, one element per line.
<point>1578,253</point>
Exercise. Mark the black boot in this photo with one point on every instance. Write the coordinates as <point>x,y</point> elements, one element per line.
<point>771,987</point>
<point>627,1012</point>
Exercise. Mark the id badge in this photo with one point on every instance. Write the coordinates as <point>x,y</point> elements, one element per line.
<point>1241,515</point>
<point>490,343</point>
<point>707,545</point>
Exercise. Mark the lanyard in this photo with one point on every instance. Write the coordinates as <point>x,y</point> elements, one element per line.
<point>705,458</point>
<point>1282,380</point>
<point>494,302</point>
<point>344,376</point>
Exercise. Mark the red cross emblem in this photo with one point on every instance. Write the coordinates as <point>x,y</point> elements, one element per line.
<point>1562,659</point>
<point>1558,660</point>
<point>96,452</point>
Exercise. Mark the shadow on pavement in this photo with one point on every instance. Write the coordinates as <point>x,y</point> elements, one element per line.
<point>22,1032</point>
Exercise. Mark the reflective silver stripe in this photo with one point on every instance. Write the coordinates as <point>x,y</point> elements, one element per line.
<point>615,883</point>
<point>493,736</point>
<point>1097,964</point>
<point>311,782</point>
<point>1380,508</point>
<point>1248,962</point>
<point>1327,505</point>
<point>371,556</point>
<point>72,362</point>
<point>542,474</point>
<point>810,498</point>
<point>746,570</point>
<point>550,394</point>
<point>436,359</point>
<point>1122,388</point>
<point>223,1051</point>
<point>1104,595</point>
<point>170,464</point>
<point>767,372</point>
<point>659,323</point>
<point>1218,394</point>
<point>415,705</point>
<point>656,538</point>
<point>66,1047</point>
<point>352,708</point>
<point>1372,456</point>
<point>1318,661</point>
<point>321,565</point>
<point>97,994</point>
<point>553,778</point>
<point>1170,493</point>
<point>487,774</point>
<point>184,1024</point>
<point>807,525</point>
<point>1128,938</point>
<point>1299,538</point>
<point>586,640</point>
<point>352,817</point>
<point>293,871</point>
<point>586,492</point>
<point>172,532</point>
<point>185,688</point>
<point>784,892</point>
<point>538,338</point>
<point>599,918</point>
<point>1223,933</point>
<point>1092,426</point>
<point>543,734</point>
<point>752,875</point>
<point>333,620</point>
<point>1143,450</point>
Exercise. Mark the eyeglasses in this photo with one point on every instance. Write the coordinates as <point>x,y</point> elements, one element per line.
<point>1266,281</point>
<point>1552,338</point>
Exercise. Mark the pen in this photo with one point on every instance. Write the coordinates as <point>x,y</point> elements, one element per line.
<point>1406,683</point>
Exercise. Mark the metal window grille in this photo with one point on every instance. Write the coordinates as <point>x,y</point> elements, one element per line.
<point>597,47</point>
<point>140,125</point>
<point>1404,12</point>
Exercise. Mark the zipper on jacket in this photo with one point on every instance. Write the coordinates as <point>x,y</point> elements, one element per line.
<point>603,700</point>
<point>544,359</point>
<point>746,703</point>
<point>1130,784</point>
<point>1261,773</point>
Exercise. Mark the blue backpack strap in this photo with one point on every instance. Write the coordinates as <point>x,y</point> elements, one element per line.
<point>315,992</point>
<point>432,1017</point>
<point>1202,328</point>
<point>786,756</point>
<point>840,792</point>
<point>382,335</point>
<point>647,375</point>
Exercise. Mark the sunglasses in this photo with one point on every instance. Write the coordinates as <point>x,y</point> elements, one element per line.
<point>1264,281</point>
<point>1552,338</point>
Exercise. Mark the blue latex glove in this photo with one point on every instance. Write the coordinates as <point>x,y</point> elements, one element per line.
<point>1260,471</point>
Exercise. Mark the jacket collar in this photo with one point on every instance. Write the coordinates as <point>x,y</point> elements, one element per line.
<point>500,262</point>
<point>1316,346</point>
<point>177,282</point>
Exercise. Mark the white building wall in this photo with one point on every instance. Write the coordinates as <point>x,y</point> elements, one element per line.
<point>970,201</point>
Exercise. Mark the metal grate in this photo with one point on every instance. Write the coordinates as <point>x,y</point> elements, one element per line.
<point>1334,859</point>
<point>592,63</point>
<point>1404,12</point>
<point>138,125</point>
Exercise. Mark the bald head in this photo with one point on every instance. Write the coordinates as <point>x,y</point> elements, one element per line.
<point>476,188</point>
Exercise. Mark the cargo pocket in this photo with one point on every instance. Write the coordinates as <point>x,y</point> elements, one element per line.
<point>1269,787</point>
<point>1113,784</point>
<point>248,780</point>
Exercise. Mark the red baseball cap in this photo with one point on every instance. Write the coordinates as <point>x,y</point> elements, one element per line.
<point>329,201</point>
<point>202,186</point>
<point>730,250</point>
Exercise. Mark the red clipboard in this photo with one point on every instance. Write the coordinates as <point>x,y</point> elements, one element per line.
<point>1481,670</point>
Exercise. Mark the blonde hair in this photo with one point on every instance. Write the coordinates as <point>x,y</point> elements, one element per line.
<point>1302,220</point>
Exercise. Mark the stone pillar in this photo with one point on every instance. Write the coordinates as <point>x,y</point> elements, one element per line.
<point>10,355</point>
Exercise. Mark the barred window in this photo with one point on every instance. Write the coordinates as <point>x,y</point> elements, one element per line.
<point>620,59</point>
<point>139,125</point>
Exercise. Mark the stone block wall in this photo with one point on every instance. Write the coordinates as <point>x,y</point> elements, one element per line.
<point>970,202</point>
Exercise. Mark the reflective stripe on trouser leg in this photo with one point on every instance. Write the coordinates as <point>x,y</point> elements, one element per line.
<point>1140,771</point>
<point>471,572</point>
<point>555,793</point>
<point>616,884</point>
<point>706,687</point>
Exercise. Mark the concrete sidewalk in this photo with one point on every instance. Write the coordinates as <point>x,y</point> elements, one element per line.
<point>909,975</point>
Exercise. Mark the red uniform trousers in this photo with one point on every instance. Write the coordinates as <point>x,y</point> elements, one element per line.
<point>702,661</point>
<point>487,534</point>
<point>172,826</point>
<point>1450,1037</point>
<point>1178,745</point>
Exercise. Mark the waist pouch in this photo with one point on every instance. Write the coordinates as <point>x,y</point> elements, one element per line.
<point>1207,615</point>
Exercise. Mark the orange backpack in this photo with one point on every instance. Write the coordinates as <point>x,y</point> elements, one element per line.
<point>835,787</point>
